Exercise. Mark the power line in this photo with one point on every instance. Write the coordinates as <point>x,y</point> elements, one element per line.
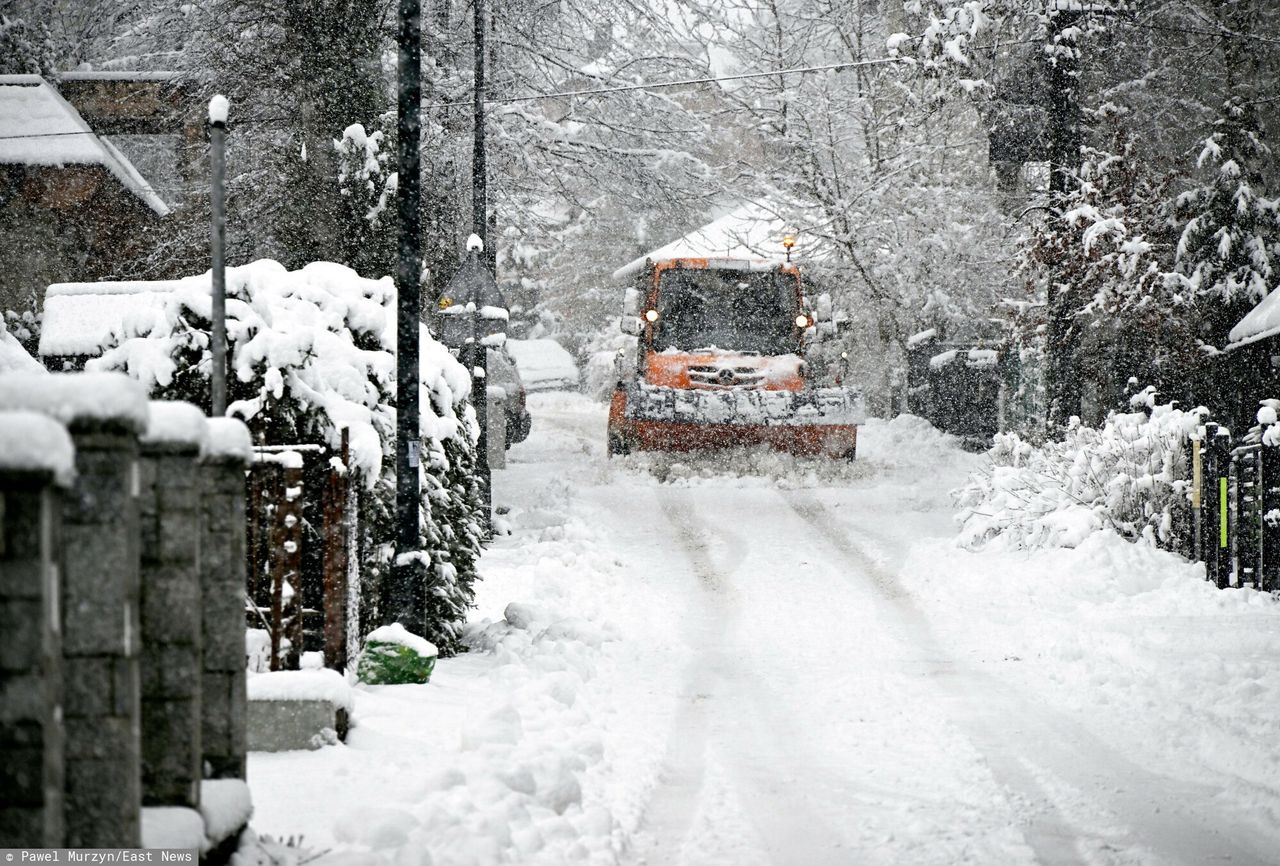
<point>45,134</point>
<point>664,84</point>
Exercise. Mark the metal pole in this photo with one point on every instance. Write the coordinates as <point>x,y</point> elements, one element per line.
<point>402,595</point>
<point>479,171</point>
<point>480,225</point>
<point>218,326</point>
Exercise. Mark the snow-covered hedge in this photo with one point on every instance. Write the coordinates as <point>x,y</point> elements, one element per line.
<point>312,352</point>
<point>1131,476</point>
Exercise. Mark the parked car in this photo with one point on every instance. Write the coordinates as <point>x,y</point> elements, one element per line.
<point>504,374</point>
<point>544,365</point>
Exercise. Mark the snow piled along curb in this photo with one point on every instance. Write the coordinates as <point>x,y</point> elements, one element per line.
<point>502,757</point>
<point>1129,638</point>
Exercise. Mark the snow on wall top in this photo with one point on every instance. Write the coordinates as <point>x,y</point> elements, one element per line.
<point>33,442</point>
<point>1261,322</point>
<point>306,685</point>
<point>84,318</point>
<point>750,232</point>
<point>14,358</point>
<point>227,439</point>
<point>72,397</point>
<point>39,127</point>
<point>176,423</point>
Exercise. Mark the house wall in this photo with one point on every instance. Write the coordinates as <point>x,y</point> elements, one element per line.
<point>70,224</point>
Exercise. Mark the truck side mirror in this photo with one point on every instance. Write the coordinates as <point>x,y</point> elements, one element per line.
<point>631,303</point>
<point>630,325</point>
<point>822,309</point>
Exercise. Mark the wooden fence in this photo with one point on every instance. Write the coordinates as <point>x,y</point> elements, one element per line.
<point>301,553</point>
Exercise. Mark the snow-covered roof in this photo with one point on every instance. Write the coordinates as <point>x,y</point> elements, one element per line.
<point>14,358</point>
<point>1261,322</point>
<point>39,127</point>
<point>80,318</point>
<point>750,232</point>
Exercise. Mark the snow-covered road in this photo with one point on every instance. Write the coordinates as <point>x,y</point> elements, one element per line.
<point>791,664</point>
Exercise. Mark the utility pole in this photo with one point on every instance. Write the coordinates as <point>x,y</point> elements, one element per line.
<point>218,109</point>
<point>479,170</point>
<point>403,593</point>
<point>1065,137</point>
<point>478,363</point>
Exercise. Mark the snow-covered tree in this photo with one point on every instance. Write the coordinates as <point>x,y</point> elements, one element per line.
<point>1228,255</point>
<point>312,352</point>
<point>1109,254</point>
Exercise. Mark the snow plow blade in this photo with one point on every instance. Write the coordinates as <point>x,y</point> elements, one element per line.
<point>811,422</point>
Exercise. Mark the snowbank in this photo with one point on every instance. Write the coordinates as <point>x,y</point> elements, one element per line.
<point>1130,637</point>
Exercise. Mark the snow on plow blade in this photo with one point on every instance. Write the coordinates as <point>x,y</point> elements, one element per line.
<point>811,421</point>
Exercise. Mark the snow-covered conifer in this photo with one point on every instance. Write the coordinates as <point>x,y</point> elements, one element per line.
<point>1228,255</point>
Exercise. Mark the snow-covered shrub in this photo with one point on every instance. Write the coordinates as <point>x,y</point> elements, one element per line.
<point>311,352</point>
<point>1130,476</point>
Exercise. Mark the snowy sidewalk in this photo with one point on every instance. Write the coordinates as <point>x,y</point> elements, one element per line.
<point>796,666</point>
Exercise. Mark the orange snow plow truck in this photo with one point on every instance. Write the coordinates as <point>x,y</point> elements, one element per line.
<point>719,362</point>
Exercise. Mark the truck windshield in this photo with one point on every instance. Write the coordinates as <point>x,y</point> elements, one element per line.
<point>744,311</point>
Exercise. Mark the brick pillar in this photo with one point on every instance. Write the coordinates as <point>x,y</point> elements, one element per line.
<point>105,412</point>
<point>227,454</point>
<point>31,733</point>
<point>172,630</point>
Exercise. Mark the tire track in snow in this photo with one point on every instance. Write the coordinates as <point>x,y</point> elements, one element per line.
<point>1084,803</point>
<point>730,720</point>
<point>673,806</point>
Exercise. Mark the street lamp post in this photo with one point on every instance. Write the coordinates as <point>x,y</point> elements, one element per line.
<point>218,108</point>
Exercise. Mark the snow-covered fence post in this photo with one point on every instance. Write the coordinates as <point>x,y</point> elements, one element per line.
<point>337,555</point>
<point>227,453</point>
<point>1215,510</point>
<point>104,413</point>
<point>172,631</point>
<point>31,734</point>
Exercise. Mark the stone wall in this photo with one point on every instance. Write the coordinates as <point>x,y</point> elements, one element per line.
<point>31,734</point>
<point>111,588</point>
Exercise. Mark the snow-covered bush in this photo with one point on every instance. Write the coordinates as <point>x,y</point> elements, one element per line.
<point>1130,476</point>
<point>312,352</point>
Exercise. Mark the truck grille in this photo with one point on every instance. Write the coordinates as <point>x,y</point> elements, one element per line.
<point>727,376</point>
